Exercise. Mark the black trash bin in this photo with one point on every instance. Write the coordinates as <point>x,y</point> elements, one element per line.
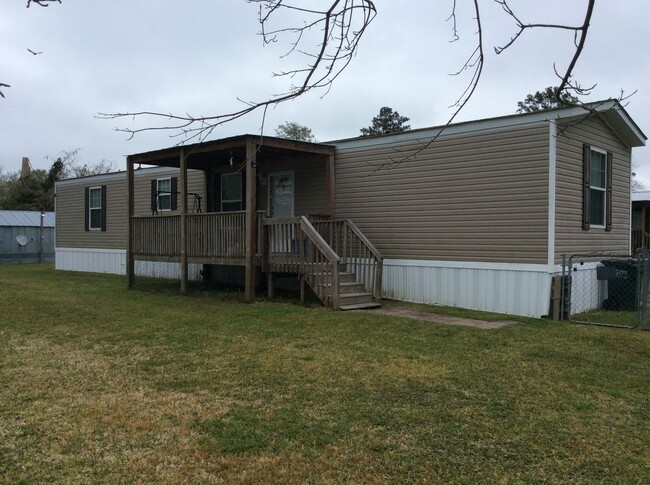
<point>622,287</point>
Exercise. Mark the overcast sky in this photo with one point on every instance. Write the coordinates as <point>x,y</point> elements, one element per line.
<point>199,56</point>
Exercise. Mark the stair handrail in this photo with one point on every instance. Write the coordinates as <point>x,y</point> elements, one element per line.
<point>364,239</point>
<point>376,287</point>
<point>327,251</point>
<point>311,232</point>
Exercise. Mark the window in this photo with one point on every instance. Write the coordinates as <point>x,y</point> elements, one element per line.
<point>95,208</point>
<point>164,190</point>
<point>597,189</point>
<point>164,194</point>
<point>231,192</point>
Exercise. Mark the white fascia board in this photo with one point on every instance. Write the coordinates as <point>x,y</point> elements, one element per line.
<point>493,124</point>
<point>108,177</point>
<point>93,250</point>
<point>552,171</point>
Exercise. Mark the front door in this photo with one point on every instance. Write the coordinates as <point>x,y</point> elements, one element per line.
<point>281,195</point>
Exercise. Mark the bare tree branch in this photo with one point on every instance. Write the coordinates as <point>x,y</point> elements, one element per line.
<point>3,85</point>
<point>341,27</point>
<point>42,3</point>
<point>579,42</point>
<point>475,61</point>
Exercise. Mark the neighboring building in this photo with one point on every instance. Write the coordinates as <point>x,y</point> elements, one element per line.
<point>20,237</point>
<point>475,215</point>
<point>640,220</point>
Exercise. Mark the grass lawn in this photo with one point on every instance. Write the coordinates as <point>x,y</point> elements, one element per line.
<point>100,384</point>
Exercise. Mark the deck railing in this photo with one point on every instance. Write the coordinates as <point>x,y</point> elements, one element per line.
<point>157,237</point>
<point>295,246</point>
<point>211,237</point>
<point>357,253</point>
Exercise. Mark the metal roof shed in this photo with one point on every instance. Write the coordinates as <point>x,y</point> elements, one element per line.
<point>21,240</point>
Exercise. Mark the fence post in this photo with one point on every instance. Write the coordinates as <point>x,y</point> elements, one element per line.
<point>644,257</point>
<point>563,288</point>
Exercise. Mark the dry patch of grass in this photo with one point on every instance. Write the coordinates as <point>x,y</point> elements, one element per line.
<point>98,384</point>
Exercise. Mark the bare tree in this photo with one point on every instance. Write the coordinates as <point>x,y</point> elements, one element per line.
<point>341,25</point>
<point>327,39</point>
<point>340,28</point>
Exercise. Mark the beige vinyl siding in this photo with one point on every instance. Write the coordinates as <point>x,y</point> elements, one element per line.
<point>70,207</point>
<point>473,197</point>
<point>570,238</point>
<point>70,214</point>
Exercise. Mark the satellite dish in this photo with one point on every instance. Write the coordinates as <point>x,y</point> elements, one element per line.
<point>23,240</point>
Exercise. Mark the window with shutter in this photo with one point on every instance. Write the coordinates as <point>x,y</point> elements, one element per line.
<point>164,191</point>
<point>94,212</point>
<point>597,188</point>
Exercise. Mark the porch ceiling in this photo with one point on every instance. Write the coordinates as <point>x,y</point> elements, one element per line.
<point>209,154</point>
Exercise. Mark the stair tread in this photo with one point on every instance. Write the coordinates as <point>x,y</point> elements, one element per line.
<point>360,306</point>
<point>355,294</point>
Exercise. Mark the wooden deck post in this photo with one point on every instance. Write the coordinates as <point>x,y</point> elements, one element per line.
<point>130,265</point>
<point>330,182</point>
<point>269,285</point>
<point>251,219</point>
<point>183,201</point>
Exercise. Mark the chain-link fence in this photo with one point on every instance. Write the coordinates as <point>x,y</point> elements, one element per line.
<point>606,289</point>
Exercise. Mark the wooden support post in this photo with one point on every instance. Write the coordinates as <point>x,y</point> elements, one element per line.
<point>330,182</point>
<point>302,288</point>
<point>556,298</point>
<point>269,284</point>
<point>183,197</point>
<point>251,219</point>
<point>130,265</point>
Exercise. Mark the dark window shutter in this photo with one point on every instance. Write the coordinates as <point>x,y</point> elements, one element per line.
<point>174,190</point>
<point>154,199</point>
<point>608,195</point>
<point>586,186</point>
<point>103,208</point>
<point>243,191</point>
<point>216,193</point>
<point>86,210</point>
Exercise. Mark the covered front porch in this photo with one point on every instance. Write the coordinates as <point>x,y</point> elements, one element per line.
<point>269,206</point>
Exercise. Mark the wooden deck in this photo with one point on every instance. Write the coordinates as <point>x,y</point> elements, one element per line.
<point>321,252</point>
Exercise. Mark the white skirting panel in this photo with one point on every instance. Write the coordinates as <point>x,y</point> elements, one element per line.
<point>91,260</point>
<point>517,289</point>
<point>114,261</point>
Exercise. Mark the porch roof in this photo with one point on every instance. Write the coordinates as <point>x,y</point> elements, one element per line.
<point>206,154</point>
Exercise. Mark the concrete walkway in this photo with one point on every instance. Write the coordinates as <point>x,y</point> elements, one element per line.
<point>446,319</point>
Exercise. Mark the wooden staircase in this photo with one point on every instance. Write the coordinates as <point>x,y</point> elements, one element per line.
<point>332,257</point>
<point>352,293</point>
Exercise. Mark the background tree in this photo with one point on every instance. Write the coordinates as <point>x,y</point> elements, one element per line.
<point>636,185</point>
<point>387,121</point>
<point>294,131</point>
<point>547,99</point>
<point>36,191</point>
